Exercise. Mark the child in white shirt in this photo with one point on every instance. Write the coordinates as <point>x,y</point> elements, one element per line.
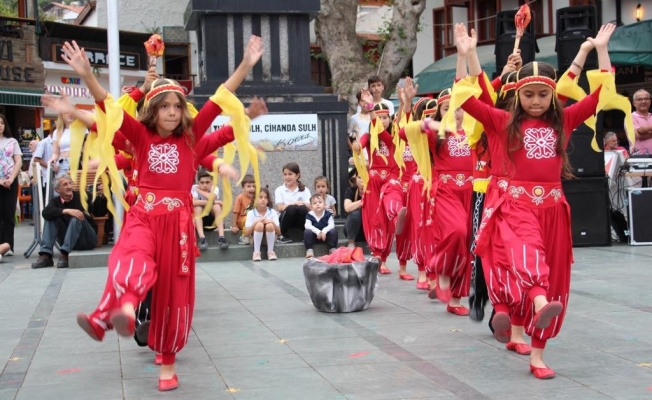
<point>200,195</point>
<point>323,187</point>
<point>263,219</point>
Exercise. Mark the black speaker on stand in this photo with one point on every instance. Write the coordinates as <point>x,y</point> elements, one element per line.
<point>506,35</point>
<point>574,25</point>
<point>590,210</point>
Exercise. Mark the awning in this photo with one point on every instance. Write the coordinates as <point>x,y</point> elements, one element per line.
<point>441,74</point>
<point>632,44</point>
<point>20,97</point>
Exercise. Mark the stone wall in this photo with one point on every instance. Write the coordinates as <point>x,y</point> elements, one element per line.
<point>20,64</point>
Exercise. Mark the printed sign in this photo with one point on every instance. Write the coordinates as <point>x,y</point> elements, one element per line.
<point>100,57</point>
<point>281,132</point>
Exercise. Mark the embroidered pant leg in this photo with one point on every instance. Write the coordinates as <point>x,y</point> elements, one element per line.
<point>392,198</point>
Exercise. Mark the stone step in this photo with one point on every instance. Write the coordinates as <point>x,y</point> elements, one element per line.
<point>232,238</point>
<point>235,252</point>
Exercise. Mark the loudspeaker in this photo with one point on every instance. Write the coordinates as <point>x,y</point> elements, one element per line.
<point>590,212</point>
<point>574,25</point>
<point>506,35</point>
<point>585,161</point>
<point>640,217</point>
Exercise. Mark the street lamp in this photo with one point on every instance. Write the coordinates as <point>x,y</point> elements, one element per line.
<point>639,12</point>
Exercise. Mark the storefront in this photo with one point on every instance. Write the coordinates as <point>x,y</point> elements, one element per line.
<point>60,78</point>
<point>21,79</point>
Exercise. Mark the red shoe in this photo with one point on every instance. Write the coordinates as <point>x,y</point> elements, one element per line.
<point>520,348</point>
<point>385,271</point>
<point>460,310</point>
<point>502,327</point>
<point>544,317</point>
<point>423,285</point>
<point>158,359</point>
<point>444,295</point>
<point>400,221</point>
<point>91,328</point>
<point>405,277</point>
<point>124,324</point>
<point>542,373</point>
<point>168,384</point>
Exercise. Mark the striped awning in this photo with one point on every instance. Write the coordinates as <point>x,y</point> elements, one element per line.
<point>20,97</point>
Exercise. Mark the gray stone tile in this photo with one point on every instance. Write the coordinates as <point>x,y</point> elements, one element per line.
<point>270,378</point>
<point>353,344</point>
<point>73,369</point>
<point>318,391</point>
<point>260,362</point>
<point>190,387</point>
<point>227,350</point>
<point>339,357</point>
<point>82,389</point>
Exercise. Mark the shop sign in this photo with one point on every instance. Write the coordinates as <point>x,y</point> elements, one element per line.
<point>100,58</point>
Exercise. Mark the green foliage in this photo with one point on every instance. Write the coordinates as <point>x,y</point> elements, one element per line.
<point>317,56</point>
<point>9,8</point>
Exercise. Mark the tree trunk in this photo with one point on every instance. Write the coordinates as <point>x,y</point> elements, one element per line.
<point>336,33</point>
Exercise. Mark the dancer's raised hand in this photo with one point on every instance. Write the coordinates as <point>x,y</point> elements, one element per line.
<point>61,104</point>
<point>603,36</point>
<point>410,90</point>
<point>227,170</point>
<point>254,51</point>
<point>463,41</point>
<point>256,108</point>
<point>75,56</point>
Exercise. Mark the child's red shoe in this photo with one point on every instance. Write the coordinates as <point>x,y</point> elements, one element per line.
<point>461,310</point>
<point>542,373</point>
<point>91,328</point>
<point>124,324</point>
<point>168,384</point>
<point>502,326</point>
<point>520,348</point>
<point>544,317</point>
<point>423,285</point>
<point>406,276</point>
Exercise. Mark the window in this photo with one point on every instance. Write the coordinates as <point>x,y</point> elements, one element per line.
<point>176,62</point>
<point>439,32</point>
<point>320,73</point>
<point>486,27</point>
<point>537,8</point>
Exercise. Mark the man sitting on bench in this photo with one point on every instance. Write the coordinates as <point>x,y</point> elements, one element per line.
<point>66,222</point>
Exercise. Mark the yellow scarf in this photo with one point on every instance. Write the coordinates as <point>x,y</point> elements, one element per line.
<point>418,142</point>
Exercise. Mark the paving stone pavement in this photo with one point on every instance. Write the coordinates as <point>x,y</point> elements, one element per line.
<point>257,336</point>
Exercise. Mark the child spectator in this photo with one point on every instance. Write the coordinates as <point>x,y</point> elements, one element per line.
<point>320,226</point>
<point>200,195</point>
<point>263,219</point>
<point>323,187</point>
<point>292,201</point>
<point>243,203</point>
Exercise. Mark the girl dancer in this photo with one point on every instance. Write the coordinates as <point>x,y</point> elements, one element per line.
<point>382,168</point>
<point>527,219</point>
<point>155,248</point>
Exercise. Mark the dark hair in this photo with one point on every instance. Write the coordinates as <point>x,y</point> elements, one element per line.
<point>381,107</point>
<point>8,133</point>
<point>247,179</point>
<point>374,79</point>
<point>422,105</point>
<point>317,196</point>
<point>505,96</point>
<point>445,92</point>
<point>270,203</point>
<point>358,95</point>
<point>323,178</point>
<point>294,167</point>
<point>149,114</point>
<point>203,173</point>
<point>554,117</point>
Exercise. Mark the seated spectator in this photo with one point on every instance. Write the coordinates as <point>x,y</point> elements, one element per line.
<point>352,200</point>
<point>67,223</point>
<point>200,196</point>
<point>611,143</point>
<point>263,220</point>
<point>320,226</point>
<point>243,203</point>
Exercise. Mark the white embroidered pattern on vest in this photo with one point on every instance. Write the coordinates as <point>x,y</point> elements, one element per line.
<point>539,143</point>
<point>382,150</point>
<point>407,154</point>
<point>458,146</point>
<point>163,158</point>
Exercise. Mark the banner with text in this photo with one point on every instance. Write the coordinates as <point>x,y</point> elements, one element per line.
<point>280,132</point>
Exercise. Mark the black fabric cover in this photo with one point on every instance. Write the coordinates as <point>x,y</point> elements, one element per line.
<point>341,287</point>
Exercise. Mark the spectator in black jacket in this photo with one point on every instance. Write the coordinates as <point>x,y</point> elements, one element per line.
<point>67,223</point>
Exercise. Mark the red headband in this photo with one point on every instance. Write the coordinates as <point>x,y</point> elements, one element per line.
<point>164,89</point>
<point>532,80</point>
<point>443,98</point>
<point>508,86</point>
<point>429,111</point>
<point>383,111</point>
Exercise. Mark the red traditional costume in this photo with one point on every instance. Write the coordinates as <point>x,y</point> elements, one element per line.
<point>525,232</point>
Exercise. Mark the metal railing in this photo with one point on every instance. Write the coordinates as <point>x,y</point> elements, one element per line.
<point>335,154</point>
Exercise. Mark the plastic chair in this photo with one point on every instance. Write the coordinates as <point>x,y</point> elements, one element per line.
<point>24,200</point>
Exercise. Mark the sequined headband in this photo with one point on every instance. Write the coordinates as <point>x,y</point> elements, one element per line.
<point>534,79</point>
<point>383,111</point>
<point>429,111</point>
<point>443,99</point>
<point>164,89</point>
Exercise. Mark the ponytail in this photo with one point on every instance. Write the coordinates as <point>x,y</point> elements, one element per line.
<point>302,187</point>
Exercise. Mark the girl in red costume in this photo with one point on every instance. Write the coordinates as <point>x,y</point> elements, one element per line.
<point>423,108</point>
<point>527,220</point>
<point>379,231</point>
<point>448,211</point>
<point>156,247</point>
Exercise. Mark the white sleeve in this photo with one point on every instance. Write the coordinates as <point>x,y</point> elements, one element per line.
<point>193,192</point>
<point>278,195</point>
<point>275,218</point>
<point>390,105</point>
<point>308,225</point>
<point>306,195</point>
<point>250,219</point>
<point>217,193</point>
<point>330,226</point>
